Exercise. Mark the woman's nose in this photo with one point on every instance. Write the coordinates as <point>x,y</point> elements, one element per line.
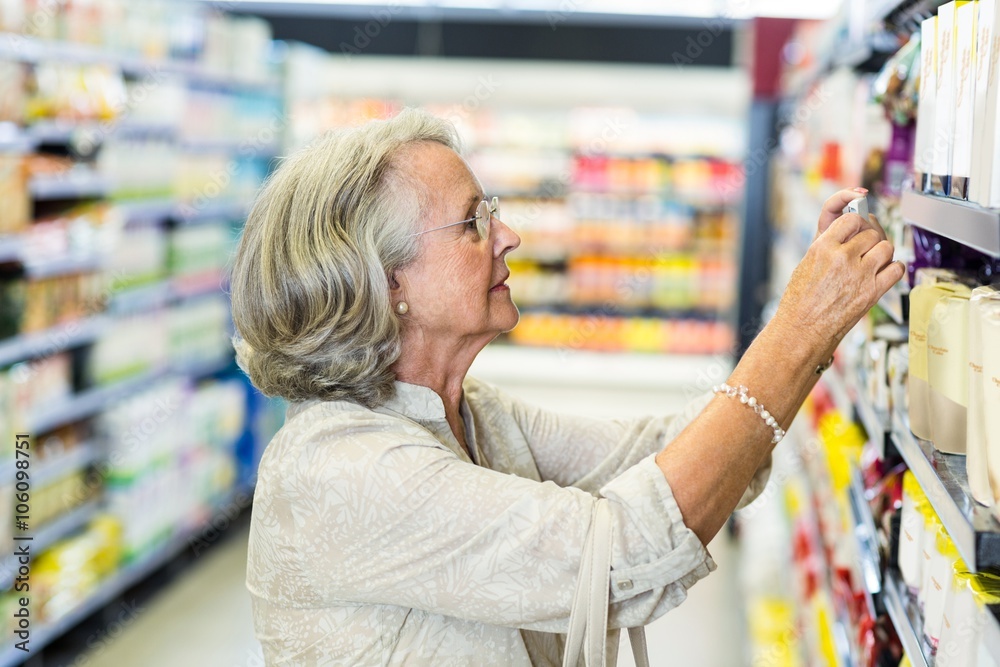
<point>506,238</point>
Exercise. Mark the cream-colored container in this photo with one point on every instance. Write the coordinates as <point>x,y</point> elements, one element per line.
<point>923,158</point>
<point>923,297</point>
<point>977,461</point>
<point>911,533</point>
<point>948,369</point>
<point>942,566</point>
<point>989,321</point>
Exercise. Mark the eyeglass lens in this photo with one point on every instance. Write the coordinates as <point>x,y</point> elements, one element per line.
<point>484,214</point>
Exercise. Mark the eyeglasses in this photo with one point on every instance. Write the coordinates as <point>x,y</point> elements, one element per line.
<point>484,213</point>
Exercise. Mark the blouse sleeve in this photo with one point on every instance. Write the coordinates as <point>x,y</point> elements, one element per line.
<point>588,453</point>
<point>372,510</point>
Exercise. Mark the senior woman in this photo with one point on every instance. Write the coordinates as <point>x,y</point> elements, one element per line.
<point>409,514</point>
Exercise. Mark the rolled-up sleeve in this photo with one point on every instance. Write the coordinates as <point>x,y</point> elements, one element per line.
<point>363,510</point>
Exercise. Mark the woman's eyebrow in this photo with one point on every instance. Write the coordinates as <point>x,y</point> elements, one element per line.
<point>474,200</point>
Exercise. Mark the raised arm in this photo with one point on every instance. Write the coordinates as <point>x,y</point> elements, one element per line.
<point>845,271</point>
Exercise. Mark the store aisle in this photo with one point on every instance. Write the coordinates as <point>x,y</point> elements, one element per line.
<point>205,618</point>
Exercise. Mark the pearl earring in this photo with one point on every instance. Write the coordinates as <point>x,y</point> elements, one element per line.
<point>402,308</point>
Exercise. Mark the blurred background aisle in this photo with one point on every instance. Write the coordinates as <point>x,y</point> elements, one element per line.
<point>664,163</point>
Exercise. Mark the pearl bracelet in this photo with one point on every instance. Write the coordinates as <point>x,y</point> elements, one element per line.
<point>750,401</point>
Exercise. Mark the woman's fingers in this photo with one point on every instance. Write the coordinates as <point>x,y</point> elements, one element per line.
<point>880,255</point>
<point>833,207</point>
<point>877,226</point>
<point>889,276</point>
<point>863,242</point>
<point>844,227</point>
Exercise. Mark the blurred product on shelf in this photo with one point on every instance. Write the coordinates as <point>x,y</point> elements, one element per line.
<point>163,478</point>
<point>606,332</point>
<point>634,247</point>
<point>154,30</point>
<point>15,214</point>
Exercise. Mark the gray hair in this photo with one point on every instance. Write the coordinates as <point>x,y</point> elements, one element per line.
<point>310,278</point>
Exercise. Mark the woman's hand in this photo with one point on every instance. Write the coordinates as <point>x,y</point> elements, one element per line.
<point>843,274</point>
<point>834,206</point>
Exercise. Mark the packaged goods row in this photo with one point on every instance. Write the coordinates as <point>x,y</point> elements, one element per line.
<point>664,283</point>
<point>176,32</point>
<point>644,231</point>
<point>132,138</point>
<point>607,331</point>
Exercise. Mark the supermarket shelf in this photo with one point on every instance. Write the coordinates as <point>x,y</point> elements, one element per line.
<point>32,50</point>
<point>239,148</point>
<point>109,588</point>
<point>10,248</point>
<point>579,368</point>
<point>147,210</point>
<point>78,457</point>
<point>867,538</point>
<point>60,266</point>
<point>214,210</point>
<point>49,534</point>
<point>942,477</point>
<point>91,401</point>
<point>971,225</point>
<point>74,185</point>
<point>56,339</point>
<point>907,620</point>
<point>837,387</point>
<point>877,423</point>
<point>895,303</point>
<point>86,403</point>
<point>143,297</point>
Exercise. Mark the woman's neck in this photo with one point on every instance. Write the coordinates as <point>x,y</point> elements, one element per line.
<point>441,368</point>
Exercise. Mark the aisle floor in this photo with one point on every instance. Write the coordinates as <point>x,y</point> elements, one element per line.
<point>204,619</point>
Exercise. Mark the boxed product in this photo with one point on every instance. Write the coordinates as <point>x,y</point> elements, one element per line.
<point>946,96</point>
<point>983,125</point>
<point>911,533</point>
<point>15,214</point>
<point>923,160</point>
<point>944,561</point>
<point>965,98</point>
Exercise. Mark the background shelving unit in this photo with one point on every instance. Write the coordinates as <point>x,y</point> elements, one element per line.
<point>820,153</point>
<point>124,208</point>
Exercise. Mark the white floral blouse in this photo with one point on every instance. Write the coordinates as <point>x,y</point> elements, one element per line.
<point>376,540</point>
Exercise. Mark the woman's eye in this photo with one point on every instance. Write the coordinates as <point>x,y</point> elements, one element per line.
<point>473,225</point>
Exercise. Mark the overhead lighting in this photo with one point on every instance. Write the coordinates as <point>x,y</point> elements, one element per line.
<point>728,9</point>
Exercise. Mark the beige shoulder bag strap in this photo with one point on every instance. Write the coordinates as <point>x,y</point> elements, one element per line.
<point>588,619</point>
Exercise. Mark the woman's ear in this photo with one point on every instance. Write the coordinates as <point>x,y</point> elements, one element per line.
<point>393,282</point>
